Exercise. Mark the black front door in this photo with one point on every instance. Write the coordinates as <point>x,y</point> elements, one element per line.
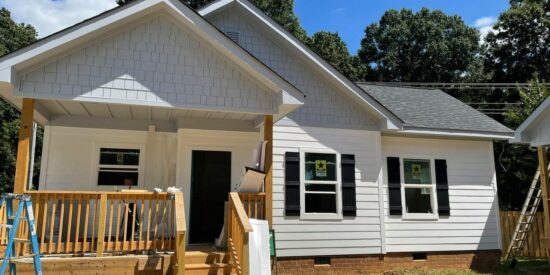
<point>210,185</point>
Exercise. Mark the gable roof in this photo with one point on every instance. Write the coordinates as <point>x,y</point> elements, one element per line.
<point>540,113</point>
<point>108,22</point>
<point>328,71</point>
<point>431,110</point>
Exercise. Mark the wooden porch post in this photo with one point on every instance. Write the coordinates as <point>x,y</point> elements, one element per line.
<point>23,147</point>
<point>268,136</point>
<point>545,188</point>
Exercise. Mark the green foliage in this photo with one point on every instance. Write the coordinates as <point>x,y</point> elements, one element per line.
<point>518,50</point>
<point>12,37</point>
<point>427,46</point>
<point>333,49</point>
<point>530,98</point>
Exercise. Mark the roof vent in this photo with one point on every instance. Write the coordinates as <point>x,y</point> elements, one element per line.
<point>233,36</point>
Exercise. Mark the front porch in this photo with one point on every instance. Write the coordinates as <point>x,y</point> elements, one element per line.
<point>131,233</point>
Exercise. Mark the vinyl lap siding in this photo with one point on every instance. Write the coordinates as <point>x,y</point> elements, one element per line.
<point>357,235</point>
<point>473,223</point>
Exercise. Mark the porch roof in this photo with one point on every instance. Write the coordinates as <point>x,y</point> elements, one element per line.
<point>286,97</point>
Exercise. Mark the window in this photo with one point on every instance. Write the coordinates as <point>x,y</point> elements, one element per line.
<point>418,188</point>
<point>118,166</point>
<point>321,185</point>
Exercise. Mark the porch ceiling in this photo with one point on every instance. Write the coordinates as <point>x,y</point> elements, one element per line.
<point>103,115</point>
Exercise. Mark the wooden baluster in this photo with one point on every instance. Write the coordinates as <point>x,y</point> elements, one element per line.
<point>171,227</point>
<point>69,225</point>
<point>133,224</point>
<point>101,228</point>
<point>163,223</point>
<point>110,224</point>
<point>44,223</point>
<point>126,206</point>
<point>60,233</point>
<point>77,231</point>
<point>148,224</point>
<point>117,228</point>
<point>86,218</point>
<point>52,223</point>
<point>93,247</point>
<point>141,222</point>
<point>155,232</point>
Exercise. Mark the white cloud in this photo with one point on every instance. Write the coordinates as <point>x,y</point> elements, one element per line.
<point>485,25</point>
<point>49,16</point>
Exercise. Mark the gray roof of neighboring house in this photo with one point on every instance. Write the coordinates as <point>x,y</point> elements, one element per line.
<point>432,109</point>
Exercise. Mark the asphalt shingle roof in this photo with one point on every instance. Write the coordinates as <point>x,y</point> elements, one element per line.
<point>433,109</point>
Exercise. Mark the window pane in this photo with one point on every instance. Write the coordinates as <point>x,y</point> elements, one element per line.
<point>320,203</point>
<point>418,200</point>
<point>112,156</point>
<point>417,171</point>
<point>117,178</point>
<point>321,187</point>
<point>320,167</point>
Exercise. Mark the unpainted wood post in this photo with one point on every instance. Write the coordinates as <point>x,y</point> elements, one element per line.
<point>101,225</point>
<point>23,146</point>
<point>268,167</point>
<point>246,258</point>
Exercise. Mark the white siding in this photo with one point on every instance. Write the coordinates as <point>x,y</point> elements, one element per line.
<point>325,106</point>
<point>473,223</point>
<point>358,235</point>
<point>152,62</point>
<point>70,157</point>
<point>539,132</point>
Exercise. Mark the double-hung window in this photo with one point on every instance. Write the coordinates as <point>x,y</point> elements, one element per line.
<point>118,167</point>
<point>321,185</point>
<point>418,190</point>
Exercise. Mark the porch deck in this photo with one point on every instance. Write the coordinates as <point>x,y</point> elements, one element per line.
<point>131,233</point>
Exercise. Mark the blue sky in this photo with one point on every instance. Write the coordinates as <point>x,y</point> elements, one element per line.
<point>350,17</point>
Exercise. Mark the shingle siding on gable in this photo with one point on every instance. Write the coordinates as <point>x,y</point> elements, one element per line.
<point>154,61</point>
<point>324,105</point>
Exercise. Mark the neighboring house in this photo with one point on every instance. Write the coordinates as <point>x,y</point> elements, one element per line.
<point>363,178</point>
<point>535,131</point>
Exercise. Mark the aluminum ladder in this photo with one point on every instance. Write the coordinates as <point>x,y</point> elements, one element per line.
<point>12,226</point>
<point>528,213</point>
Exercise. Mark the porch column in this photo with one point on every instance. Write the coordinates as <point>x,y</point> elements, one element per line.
<point>545,188</point>
<point>268,136</point>
<point>23,146</point>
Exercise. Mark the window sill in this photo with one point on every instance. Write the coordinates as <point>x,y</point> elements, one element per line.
<point>321,217</point>
<point>423,217</point>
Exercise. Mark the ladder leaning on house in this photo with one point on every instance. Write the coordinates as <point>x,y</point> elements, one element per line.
<point>528,213</point>
<point>12,226</point>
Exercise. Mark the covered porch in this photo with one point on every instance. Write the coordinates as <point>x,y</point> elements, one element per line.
<point>90,227</point>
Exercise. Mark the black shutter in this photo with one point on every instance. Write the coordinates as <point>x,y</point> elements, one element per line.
<point>442,186</point>
<point>349,207</point>
<point>292,184</point>
<point>394,186</point>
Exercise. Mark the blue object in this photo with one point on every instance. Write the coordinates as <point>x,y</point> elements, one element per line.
<point>25,204</point>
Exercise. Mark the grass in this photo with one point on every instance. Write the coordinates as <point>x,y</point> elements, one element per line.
<point>527,266</point>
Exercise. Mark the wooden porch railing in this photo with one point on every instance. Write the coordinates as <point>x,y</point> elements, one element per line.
<point>238,228</point>
<point>70,222</point>
<point>254,205</point>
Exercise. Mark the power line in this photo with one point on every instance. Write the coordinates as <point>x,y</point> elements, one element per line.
<point>456,86</point>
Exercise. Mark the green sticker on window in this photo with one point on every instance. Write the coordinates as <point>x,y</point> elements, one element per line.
<point>320,168</point>
<point>416,171</point>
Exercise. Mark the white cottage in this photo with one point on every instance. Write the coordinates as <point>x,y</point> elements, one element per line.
<point>359,178</point>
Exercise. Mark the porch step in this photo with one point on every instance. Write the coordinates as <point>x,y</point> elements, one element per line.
<point>206,257</point>
<point>207,269</point>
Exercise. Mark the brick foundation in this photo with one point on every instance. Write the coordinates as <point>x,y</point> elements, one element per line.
<point>482,261</point>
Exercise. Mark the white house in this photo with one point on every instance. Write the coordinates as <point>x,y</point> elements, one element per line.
<point>361,178</point>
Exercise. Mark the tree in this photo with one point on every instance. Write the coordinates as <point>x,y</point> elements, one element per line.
<point>282,11</point>
<point>517,50</point>
<point>333,49</point>
<point>427,46</point>
<point>12,37</point>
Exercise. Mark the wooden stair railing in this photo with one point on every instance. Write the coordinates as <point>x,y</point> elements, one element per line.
<point>239,228</point>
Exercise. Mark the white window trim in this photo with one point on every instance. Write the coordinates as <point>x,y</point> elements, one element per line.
<point>96,166</point>
<point>320,216</point>
<point>433,195</point>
